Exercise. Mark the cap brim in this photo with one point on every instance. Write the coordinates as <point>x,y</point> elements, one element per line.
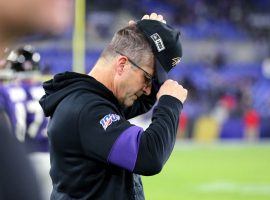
<point>160,74</point>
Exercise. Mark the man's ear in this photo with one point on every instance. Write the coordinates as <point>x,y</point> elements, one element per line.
<point>120,65</point>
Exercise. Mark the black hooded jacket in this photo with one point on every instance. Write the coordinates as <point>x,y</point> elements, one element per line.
<point>95,152</point>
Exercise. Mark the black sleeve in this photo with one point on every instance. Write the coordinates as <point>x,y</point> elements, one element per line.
<point>157,141</point>
<point>108,137</point>
<point>141,105</point>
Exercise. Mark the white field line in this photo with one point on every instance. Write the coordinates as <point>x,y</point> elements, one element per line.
<point>191,145</point>
<point>231,187</point>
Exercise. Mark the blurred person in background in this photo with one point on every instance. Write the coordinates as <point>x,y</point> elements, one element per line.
<point>15,167</point>
<point>19,99</point>
<point>19,18</point>
<point>95,152</point>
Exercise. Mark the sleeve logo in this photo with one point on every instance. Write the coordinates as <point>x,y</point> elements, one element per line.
<point>107,120</point>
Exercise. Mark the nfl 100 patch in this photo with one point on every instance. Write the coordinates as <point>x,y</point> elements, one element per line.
<point>107,120</point>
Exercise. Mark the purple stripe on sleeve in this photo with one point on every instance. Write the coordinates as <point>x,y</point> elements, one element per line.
<point>125,149</point>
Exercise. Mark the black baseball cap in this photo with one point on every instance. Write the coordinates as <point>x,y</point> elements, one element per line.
<point>165,44</point>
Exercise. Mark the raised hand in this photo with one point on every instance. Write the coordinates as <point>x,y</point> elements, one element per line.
<point>172,88</point>
<point>152,16</point>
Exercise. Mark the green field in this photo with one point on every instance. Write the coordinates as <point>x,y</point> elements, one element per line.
<point>232,171</point>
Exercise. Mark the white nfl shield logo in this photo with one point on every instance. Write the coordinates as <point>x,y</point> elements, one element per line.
<point>158,42</point>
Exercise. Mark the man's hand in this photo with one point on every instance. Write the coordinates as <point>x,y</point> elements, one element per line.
<point>172,88</point>
<point>153,16</point>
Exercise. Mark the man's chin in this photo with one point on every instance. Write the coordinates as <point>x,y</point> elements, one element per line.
<point>128,103</point>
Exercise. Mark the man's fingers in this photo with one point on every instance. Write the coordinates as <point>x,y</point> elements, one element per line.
<point>145,17</point>
<point>154,16</point>
<point>159,17</point>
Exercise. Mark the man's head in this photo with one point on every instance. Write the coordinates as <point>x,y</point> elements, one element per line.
<point>133,63</point>
<point>141,55</point>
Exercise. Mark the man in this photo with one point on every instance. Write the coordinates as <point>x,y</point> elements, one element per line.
<point>95,152</point>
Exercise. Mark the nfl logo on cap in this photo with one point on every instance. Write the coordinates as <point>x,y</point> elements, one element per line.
<point>158,41</point>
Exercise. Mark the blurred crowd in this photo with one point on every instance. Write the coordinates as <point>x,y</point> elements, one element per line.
<point>239,18</point>
<point>224,66</point>
<point>237,104</point>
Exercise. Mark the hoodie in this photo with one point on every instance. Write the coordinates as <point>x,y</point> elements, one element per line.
<point>95,152</point>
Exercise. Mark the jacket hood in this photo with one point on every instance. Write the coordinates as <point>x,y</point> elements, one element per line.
<point>64,84</point>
